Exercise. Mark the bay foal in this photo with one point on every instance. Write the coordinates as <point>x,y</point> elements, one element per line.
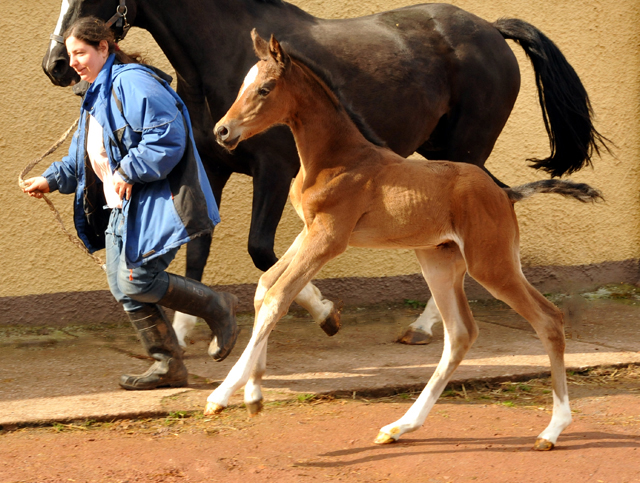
<point>351,190</point>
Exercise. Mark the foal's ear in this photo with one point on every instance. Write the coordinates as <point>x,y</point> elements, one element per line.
<point>260,45</point>
<point>278,54</point>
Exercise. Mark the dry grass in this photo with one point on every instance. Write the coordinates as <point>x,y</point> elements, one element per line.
<point>532,393</point>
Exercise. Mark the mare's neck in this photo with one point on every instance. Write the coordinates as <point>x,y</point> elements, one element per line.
<point>325,135</point>
<point>208,43</point>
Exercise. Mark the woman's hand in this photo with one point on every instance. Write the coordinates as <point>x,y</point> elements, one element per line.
<point>123,189</point>
<point>36,187</point>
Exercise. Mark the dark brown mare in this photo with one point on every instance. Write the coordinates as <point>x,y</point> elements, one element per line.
<point>431,79</point>
<point>353,191</point>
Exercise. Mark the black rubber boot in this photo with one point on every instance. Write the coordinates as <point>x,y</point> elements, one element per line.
<point>160,342</point>
<point>218,309</point>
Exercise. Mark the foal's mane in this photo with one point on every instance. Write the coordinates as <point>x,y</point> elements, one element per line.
<point>325,76</point>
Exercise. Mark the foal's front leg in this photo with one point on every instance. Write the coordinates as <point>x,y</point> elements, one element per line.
<point>252,389</point>
<point>323,311</point>
<point>316,249</point>
<point>252,364</point>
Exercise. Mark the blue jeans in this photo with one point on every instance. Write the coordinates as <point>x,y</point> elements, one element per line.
<point>133,288</point>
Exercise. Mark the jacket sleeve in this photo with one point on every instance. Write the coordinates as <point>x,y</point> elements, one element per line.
<point>63,175</point>
<point>151,111</point>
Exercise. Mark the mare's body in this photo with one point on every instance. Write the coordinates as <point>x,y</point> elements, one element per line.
<point>431,79</point>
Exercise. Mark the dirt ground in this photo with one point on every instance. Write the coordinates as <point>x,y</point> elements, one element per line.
<point>475,434</point>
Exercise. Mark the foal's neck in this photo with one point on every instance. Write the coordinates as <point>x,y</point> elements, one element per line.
<point>325,135</point>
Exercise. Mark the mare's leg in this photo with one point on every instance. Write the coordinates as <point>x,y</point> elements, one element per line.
<point>444,269</point>
<point>272,176</point>
<point>506,282</point>
<point>273,297</point>
<point>421,331</point>
<point>199,248</point>
<point>197,253</point>
<point>467,134</point>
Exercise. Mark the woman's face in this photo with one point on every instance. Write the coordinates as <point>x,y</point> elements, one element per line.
<point>85,59</point>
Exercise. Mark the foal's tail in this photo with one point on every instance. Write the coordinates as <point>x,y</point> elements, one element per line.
<point>580,191</point>
<point>566,108</point>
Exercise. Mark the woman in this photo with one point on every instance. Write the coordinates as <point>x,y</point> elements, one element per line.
<point>134,155</point>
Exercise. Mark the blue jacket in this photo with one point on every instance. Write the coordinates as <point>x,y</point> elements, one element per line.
<point>149,141</point>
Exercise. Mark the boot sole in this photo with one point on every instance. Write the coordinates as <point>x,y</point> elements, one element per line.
<point>159,386</point>
<point>223,353</point>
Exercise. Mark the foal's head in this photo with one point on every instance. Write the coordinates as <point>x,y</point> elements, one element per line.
<point>261,101</point>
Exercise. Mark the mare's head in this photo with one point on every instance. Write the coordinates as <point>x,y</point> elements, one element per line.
<point>118,14</point>
<point>261,102</point>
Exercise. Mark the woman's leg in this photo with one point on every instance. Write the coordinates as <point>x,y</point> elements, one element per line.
<point>153,328</point>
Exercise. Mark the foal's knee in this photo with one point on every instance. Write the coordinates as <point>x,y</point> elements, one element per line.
<point>462,340</point>
<point>551,330</point>
<point>261,290</point>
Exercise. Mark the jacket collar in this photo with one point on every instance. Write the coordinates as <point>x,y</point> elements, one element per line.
<point>101,87</point>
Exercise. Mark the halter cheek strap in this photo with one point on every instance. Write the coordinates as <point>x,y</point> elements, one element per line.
<point>119,19</point>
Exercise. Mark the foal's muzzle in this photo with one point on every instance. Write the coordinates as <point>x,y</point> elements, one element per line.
<point>223,136</point>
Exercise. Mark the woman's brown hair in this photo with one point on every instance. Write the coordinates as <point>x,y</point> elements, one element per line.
<point>92,30</point>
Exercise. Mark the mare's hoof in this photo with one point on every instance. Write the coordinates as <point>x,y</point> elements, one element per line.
<point>331,325</point>
<point>254,407</point>
<point>543,445</point>
<point>212,408</point>
<point>384,438</point>
<point>414,337</point>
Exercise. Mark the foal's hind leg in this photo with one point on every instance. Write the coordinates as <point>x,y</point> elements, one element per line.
<point>467,135</point>
<point>506,282</point>
<point>444,269</point>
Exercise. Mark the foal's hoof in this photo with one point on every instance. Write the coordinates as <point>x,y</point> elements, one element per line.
<point>212,408</point>
<point>415,337</point>
<point>384,438</point>
<point>254,407</point>
<point>331,325</point>
<point>543,445</point>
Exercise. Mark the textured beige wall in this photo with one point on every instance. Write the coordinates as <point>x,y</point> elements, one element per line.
<point>600,38</point>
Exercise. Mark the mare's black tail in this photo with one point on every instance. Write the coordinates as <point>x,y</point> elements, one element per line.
<point>566,108</point>
<point>580,191</point>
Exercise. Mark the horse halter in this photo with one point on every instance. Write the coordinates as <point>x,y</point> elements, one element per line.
<point>119,19</point>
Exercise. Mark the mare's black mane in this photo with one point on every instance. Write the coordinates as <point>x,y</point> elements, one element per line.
<point>325,76</point>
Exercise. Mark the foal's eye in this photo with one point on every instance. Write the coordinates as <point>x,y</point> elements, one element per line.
<point>266,87</point>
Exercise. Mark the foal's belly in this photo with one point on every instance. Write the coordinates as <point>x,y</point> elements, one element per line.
<point>386,232</point>
<point>390,243</point>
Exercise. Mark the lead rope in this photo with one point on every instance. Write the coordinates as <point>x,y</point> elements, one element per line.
<point>72,238</point>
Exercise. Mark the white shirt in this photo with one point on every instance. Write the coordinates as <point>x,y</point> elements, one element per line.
<point>100,162</point>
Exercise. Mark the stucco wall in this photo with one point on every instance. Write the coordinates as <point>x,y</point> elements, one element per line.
<point>601,39</point>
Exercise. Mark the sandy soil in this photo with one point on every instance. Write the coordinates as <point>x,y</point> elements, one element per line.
<point>475,434</point>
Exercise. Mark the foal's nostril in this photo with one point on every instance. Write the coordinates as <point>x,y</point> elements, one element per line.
<point>222,133</point>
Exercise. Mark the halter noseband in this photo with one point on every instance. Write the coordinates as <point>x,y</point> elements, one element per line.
<point>119,19</point>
